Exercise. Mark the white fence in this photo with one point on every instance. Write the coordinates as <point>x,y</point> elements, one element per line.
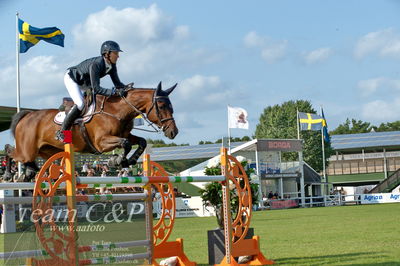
<point>332,200</point>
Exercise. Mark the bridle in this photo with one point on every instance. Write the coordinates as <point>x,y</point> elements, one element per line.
<point>154,105</point>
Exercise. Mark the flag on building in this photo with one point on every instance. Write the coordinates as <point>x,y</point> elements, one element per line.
<point>311,121</point>
<point>29,36</point>
<point>327,138</point>
<point>237,118</point>
<point>138,121</point>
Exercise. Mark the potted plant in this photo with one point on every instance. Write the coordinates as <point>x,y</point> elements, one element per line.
<point>212,196</point>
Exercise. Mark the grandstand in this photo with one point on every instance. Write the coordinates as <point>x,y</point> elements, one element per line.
<point>365,159</point>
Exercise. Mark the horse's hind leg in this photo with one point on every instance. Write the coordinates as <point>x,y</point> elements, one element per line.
<point>31,169</point>
<point>8,175</point>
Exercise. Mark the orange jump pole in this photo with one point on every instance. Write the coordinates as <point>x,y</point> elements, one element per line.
<point>160,232</point>
<point>61,247</point>
<point>235,230</point>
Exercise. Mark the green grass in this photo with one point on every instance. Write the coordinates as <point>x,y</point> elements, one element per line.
<point>188,189</point>
<point>350,235</point>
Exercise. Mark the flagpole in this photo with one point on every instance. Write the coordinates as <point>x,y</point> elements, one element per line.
<point>323,149</point>
<point>229,131</point>
<point>298,129</point>
<point>18,79</point>
<point>17,56</point>
<point>18,98</point>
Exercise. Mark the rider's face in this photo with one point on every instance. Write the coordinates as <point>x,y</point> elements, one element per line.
<point>114,57</point>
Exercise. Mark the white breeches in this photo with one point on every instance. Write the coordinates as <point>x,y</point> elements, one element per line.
<point>74,91</point>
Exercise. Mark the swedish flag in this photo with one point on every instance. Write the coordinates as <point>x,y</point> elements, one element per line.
<point>138,121</point>
<point>29,36</point>
<point>311,121</point>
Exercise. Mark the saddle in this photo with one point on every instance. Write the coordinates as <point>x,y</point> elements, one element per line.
<point>88,112</point>
<point>68,103</point>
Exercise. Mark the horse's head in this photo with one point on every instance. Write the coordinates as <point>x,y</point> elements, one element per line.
<point>161,112</point>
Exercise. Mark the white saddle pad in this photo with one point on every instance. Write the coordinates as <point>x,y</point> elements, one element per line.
<point>60,116</point>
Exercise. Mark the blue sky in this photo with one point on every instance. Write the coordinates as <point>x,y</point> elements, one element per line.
<point>343,55</point>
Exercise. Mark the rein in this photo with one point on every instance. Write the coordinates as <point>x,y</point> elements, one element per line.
<point>153,105</point>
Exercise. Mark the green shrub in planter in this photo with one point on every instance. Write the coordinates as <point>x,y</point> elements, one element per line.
<point>212,193</point>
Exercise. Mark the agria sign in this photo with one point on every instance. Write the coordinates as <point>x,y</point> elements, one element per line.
<point>380,198</point>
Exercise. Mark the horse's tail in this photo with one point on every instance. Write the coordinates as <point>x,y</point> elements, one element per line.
<point>16,118</point>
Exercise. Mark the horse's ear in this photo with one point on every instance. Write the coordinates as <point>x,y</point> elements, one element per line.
<point>158,88</point>
<point>168,91</point>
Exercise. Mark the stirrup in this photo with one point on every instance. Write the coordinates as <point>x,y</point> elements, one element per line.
<point>60,136</point>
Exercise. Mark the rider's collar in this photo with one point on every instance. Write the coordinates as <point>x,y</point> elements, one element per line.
<point>108,66</point>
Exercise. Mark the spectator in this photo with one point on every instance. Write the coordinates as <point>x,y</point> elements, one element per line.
<point>103,174</point>
<point>270,195</point>
<point>3,165</point>
<point>1,214</point>
<point>104,167</point>
<point>85,167</point>
<point>276,195</point>
<point>124,172</point>
<point>90,172</point>
<point>97,165</point>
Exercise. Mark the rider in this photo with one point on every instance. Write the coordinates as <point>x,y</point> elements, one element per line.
<point>86,76</point>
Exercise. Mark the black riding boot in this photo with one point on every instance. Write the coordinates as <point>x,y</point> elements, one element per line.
<point>68,121</point>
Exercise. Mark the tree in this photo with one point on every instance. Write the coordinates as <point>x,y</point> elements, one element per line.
<point>389,126</point>
<point>156,143</point>
<point>280,122</point>
<point>237,139</point>
<point>354,126</point>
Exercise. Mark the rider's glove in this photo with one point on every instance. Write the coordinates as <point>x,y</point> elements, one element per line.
<point>119,91</point>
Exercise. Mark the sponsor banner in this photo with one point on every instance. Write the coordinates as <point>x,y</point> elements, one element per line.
<point>279,145</point>
<point>283,204</point>
<point>380,198</point>
<point>187,207</point>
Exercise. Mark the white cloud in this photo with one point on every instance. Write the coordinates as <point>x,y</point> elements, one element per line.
<point>153,44</point>
<point>271,51</point>
<point>384,43</point>
<point>318,55</point>
<point>41,79</point>
<point>129,25</point>
<point>203,93</point>
<point>370,86</point>
<point>155,48</point>
<point>388,110</point>
<point>252,39</point>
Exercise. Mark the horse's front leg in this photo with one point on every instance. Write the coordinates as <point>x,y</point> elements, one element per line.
<point>109,143</point>
<point>142,143</point>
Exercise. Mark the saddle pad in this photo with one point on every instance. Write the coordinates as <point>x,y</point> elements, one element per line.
<point>60,116</point>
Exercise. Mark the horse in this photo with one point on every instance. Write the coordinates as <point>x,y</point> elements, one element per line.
<point>108,128</point>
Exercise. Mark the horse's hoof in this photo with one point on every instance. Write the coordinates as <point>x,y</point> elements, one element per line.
<point>112,162</point>
<point>20,178</point>
<point>132,162</point>
<point>124,163</point>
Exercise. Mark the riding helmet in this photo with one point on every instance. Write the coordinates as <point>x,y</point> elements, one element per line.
<point>109,46</point>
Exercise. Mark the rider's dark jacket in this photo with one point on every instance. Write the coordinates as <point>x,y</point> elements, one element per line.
<point>88,73</point>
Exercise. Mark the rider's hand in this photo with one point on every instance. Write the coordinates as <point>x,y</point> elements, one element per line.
<point>129,86</point>
<point>119,91</point>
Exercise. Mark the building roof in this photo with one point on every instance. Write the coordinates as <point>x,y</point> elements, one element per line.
<point>347,143</point>
<point>204,151</point>
<point>372,141</point>
<point>6,114</point>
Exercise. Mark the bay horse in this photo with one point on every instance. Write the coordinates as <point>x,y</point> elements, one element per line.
<point>109,128</point>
